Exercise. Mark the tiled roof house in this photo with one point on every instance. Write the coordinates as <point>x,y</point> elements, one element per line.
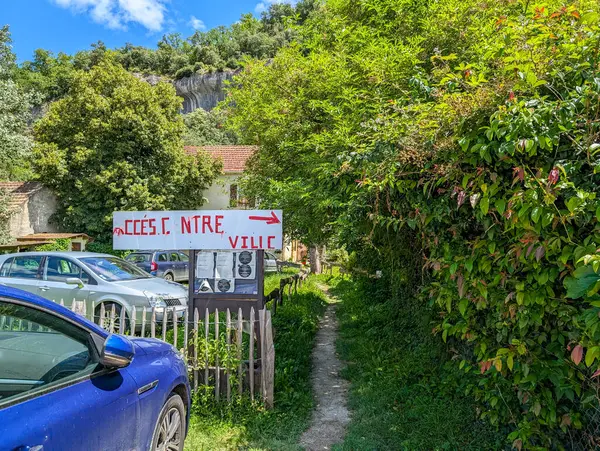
<point>224,192</point>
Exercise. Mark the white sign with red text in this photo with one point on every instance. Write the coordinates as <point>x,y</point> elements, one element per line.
<point>217,229</point>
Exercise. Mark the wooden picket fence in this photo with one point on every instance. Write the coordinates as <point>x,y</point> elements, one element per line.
<point>225,352</point>
<point>292,283</point>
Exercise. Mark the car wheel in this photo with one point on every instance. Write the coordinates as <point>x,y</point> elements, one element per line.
<point>169,432</point>
<point>105,321</point>
<point>168,276</point>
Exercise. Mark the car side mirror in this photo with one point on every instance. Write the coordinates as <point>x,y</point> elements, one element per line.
<point>117,352</point>
<point>74,281</point>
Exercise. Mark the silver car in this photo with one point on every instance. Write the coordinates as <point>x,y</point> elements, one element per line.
<point>92,278</point>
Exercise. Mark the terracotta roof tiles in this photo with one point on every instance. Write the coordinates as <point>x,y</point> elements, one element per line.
<point>20,191</point>
<point>234,157</point>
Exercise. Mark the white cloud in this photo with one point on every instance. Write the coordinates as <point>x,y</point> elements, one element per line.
<point>118,13</point>
<point>197,24</point>
<point>264,5</point>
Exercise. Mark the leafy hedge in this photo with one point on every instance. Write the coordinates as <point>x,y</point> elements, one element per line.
<point>510,224</point>
<point>472,129</point>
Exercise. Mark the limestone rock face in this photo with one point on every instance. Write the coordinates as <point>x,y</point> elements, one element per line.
<point>202,91</point>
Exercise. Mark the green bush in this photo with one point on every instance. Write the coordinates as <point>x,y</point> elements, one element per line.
<point>60,245</point>
<point>186,71</point>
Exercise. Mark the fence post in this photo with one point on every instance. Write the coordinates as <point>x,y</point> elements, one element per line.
<point>132,322</point>
<point>164,323</point>
<point>282,284</point>
<point>102,320</point>
<point>261,326</point>
<point>175,321</point>
<point>268,366</point>
<point>274,302</point>
<point>228,349</point>
<point>195,361</point>
<point>206,335</point>
<point>217,368</point>
<point>239,339</point>
<point>144,322</point>
<point>153,323</point>
<point>122,321</point>
<point>113,314</point>
<point>186,320</point>
<point>251,353</point>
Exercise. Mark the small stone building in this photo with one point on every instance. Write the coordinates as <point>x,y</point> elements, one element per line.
<point>32,204</point>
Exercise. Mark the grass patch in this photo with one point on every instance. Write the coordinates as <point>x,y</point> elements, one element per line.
<point>403,395</point>
<point>246,424</point>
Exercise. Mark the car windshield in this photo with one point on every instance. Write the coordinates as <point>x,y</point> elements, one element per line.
<point>138,258</point>
<point>113,269</point>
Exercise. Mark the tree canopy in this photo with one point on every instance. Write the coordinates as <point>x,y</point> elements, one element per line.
<point>206,128</point>
<point>15,113</point>
<point>218,49</point>
<point>114,142</point>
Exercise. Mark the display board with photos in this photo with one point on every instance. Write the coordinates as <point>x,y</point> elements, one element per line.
<point>224,272</point>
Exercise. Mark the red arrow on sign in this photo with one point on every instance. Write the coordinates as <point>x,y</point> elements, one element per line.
<point>273,219</point>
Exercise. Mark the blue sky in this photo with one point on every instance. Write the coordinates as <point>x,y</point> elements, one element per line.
<point>72,25</point>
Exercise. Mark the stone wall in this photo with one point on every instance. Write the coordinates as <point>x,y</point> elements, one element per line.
<point>198,91</point>
<point>33,216</point>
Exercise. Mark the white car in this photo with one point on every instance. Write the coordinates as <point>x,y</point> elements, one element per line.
<point>270,263</point>
<point>96,279</point>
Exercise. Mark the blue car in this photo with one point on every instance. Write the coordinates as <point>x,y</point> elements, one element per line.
<point>66,384</point>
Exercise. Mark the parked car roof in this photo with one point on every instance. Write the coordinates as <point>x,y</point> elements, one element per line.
<point>74,254</point>
<point>148,251</point>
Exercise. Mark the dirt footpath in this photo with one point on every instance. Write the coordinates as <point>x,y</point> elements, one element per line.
<point>331,415</point>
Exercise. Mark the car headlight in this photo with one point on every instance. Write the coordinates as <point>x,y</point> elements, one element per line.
<point>154,300</point>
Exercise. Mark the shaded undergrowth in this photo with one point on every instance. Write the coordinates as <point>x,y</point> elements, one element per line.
<point>403,394</point>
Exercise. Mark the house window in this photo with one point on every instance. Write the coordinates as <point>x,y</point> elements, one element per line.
<point>233,195</point>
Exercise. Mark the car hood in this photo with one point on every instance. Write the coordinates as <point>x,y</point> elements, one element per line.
<point>155,285</point>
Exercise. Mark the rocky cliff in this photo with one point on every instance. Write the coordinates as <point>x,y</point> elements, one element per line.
<point>202,91</point>
<point>198,91</point>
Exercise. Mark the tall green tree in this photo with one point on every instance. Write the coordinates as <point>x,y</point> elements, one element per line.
<point>48,75</point>
<point>206,128</point>
<point>15,114</point>
<point>114,142</point>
